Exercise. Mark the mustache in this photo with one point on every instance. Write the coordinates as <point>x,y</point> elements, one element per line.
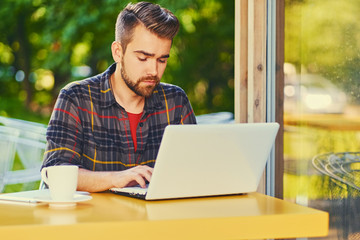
<point>152,78</point>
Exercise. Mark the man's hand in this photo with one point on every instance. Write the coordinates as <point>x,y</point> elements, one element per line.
<point>132,177</point>
<point>91,181</point>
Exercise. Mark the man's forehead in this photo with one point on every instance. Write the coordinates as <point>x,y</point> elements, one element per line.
<point>144,41</point>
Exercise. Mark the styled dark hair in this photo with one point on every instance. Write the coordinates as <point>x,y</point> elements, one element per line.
<point>156,19</point>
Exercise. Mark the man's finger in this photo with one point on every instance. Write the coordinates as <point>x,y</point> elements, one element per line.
<point>140,180</point>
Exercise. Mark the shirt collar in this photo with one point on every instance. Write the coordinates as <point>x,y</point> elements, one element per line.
<point>152,103</point>
<point>107,97</point>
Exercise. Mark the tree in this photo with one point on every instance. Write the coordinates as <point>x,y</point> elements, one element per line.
<point>322,37</point>
<point>49,43</point>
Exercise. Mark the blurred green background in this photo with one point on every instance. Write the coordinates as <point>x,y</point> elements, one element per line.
<point>46,44</point>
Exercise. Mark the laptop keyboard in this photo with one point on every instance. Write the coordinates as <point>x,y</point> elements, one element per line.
<point>133,191</point>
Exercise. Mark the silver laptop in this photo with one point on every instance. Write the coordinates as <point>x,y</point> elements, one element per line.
<point>208,160</point>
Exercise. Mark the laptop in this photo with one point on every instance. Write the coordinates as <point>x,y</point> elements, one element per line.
<point>208,160</point>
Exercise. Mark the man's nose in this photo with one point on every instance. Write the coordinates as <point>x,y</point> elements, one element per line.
<point>152,68</point>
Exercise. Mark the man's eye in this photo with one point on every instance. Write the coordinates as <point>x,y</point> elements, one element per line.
<point>142,59</point>
<point>162,61</point>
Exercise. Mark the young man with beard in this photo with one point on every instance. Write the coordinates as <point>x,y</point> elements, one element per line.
<point>111,125</point>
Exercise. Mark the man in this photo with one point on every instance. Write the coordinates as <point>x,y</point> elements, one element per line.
<point>111,125</point>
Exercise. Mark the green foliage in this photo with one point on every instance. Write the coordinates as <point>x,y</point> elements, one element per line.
<point>43,43</point>
<point>323,37</point>
<point>204,53</point>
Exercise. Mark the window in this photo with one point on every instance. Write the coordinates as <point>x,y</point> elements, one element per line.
<point>322,110</point>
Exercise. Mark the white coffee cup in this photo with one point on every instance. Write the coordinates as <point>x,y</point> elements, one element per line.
<point>62,181</point>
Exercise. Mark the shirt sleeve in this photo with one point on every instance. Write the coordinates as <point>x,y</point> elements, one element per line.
<point>188,115</point>
<point>64,133</point>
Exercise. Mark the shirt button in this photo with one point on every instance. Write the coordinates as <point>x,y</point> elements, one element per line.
<point>141,124</point>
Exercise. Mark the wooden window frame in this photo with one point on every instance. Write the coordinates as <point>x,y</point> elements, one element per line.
<point>250,73</point>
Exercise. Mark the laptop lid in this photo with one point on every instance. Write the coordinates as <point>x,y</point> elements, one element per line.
<point>207,160</point>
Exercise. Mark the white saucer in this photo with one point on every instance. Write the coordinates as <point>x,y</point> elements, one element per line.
<point>63,204</point>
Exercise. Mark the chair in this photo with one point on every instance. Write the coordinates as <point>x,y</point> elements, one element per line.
<point>343,167</point>
<point>42,185</point>
<point>30,147</point>
<point>8,139</point>
<point>342,171</point>
<point>32,140</point>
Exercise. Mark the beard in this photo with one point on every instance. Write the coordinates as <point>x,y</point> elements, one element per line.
<point>134,86</point>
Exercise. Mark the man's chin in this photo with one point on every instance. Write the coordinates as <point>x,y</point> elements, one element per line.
<point>149,93</point>
<point>145,92</point>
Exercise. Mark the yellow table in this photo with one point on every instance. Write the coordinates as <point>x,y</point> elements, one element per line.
<point>109,216</point>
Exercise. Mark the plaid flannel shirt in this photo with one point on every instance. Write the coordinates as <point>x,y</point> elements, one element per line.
<point>90,129</point>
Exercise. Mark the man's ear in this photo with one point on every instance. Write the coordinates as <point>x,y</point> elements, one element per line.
<point>116,51</point>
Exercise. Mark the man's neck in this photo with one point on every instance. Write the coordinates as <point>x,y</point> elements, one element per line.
<point>124,96</point>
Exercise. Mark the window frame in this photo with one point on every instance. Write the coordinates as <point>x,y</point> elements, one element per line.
<point>259,77</point>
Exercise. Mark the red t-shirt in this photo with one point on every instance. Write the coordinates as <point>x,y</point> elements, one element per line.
<point>134,120</point>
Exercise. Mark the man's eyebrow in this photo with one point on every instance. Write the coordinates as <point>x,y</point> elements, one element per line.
<point>151,54</point>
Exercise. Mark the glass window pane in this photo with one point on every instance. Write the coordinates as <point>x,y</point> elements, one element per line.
<point>322,110</point>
